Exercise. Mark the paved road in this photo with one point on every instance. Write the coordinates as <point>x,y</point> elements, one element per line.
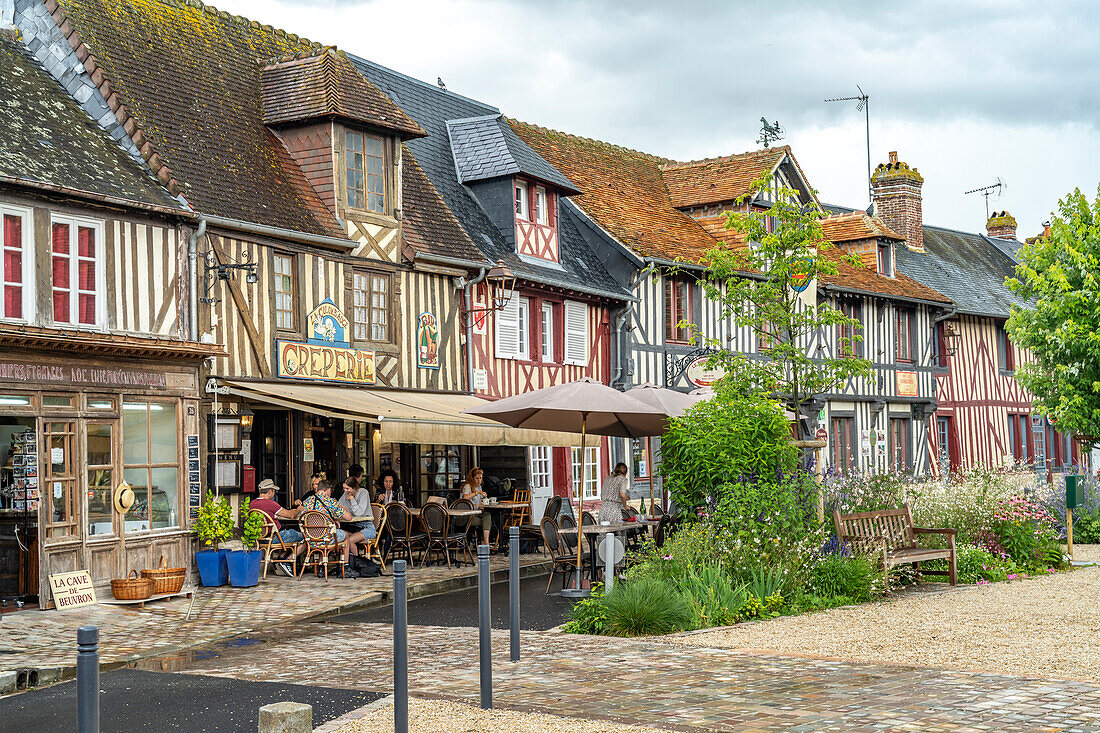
<point>153,701</point>
<point>538,611</point>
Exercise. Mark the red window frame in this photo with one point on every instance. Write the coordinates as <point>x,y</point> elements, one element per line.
<point>79,263</point>
<point>13,265</point>
<point>903,325</point>
<point>842,442</point>
<point>677,308</point>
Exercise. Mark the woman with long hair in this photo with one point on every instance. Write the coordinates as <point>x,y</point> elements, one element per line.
<point>388,487</point>
<point>472,490</point>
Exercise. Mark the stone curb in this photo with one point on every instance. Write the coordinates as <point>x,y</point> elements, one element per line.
<point>354,715</point>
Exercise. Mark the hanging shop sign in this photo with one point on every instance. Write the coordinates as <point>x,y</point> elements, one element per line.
<point>800,275</point>
<point>699,374</point>
<point>691,366</point>
<point>427,341</point>
<point>295,360</point>
<point>907,384</point>
<point>327,325</point>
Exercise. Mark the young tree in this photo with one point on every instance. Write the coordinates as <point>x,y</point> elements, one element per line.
<point>1060,325</point>
<point>760,285</point>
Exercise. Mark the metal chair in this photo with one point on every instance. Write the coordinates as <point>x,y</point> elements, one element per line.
<point>434,519</point>
<point>562,562</point>
<point>400,525</point>
<point>271,543</point>
<point>321,543</point>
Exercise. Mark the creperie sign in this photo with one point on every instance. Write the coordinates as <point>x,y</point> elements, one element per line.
<point>296,360</point>
<point>72,590</point>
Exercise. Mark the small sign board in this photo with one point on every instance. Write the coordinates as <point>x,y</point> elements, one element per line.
<point>700,375</point>
<point>907,384</point>
<point>72,590</point>
<point>821,434</point>
<point>307,450</point>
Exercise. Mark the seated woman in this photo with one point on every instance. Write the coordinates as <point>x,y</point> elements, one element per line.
<point>388,487</point>
<point>355,498</point>
<point>322,501</point>
<point>472,490</point>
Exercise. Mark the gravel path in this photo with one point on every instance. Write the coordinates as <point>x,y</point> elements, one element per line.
<point>440,716</point>
<point>1044,627</point>
<point>1086,553</point>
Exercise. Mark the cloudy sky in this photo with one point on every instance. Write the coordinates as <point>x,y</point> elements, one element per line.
<point>966,92</point>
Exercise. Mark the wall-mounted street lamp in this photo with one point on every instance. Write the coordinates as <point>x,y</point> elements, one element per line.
<point>218,271</point>
<point>502,284</point>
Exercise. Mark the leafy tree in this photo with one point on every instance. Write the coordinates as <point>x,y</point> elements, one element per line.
<point>1060,325</point>
<point>754,285</point>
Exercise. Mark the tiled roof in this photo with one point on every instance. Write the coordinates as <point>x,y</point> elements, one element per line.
<point>323,84</point>
<point>427,225</point>
<point>857,225</point>
<point>48,139</point>
<point>486,147</point>
<point>623,191</point>
<point>867,280</point>
<point>718,179</point>
<point>187,78</point>
<point>581,269</point>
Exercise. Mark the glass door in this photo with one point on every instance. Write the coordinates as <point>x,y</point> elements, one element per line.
<point>100,446</point>
<point>59,482</point>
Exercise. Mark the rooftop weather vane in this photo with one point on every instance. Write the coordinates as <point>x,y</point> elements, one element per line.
<point>993,190</point>
<point>864,106</point>
<point>770,132</point>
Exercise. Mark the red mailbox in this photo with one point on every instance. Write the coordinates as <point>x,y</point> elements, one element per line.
<point>248,479</point>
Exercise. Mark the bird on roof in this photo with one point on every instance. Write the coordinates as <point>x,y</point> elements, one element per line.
<point>439,82</point>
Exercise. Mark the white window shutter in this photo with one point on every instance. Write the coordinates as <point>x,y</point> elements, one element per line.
<point>576,333</point>
<point>507,329</point>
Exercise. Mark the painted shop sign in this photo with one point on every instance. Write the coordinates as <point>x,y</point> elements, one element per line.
<point>907,384</point>
<point>78,376</point>
<point>327,324</point>
<point>72,590</point>
<point>427,342</point>
<point>700,375</point>
<point>295,360</point>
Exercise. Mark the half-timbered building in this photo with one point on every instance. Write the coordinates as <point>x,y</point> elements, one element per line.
<point>556,326</point>
<point>100,375</point>
<point>666,215</point>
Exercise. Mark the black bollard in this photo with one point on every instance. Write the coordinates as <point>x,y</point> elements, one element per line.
<point>485,627</point>
<point>87,679</point>
<point>400,649</point>
<point>513,593</point>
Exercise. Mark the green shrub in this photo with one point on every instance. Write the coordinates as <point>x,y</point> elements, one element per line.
<point>976,563</point>
<point>764,582</point>
<point>1086,527</point>
<point>646,607</point>
<point>767,607</point>
<point>852,576</point>
<point>588,616</point>
<point>714,598</point>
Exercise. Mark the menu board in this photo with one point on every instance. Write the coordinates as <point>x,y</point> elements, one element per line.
<point>25,484</point>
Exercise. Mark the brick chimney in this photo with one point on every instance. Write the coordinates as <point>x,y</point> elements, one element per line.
<point>895,192</point>
<point>1001,225</point>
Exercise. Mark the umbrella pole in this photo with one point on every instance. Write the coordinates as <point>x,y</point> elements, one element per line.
<point>580,501</point>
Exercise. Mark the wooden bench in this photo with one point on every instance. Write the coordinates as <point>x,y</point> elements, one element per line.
<point>891,533</point>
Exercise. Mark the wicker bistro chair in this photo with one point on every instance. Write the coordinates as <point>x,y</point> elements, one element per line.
<point>459,529</point>
<point>434,519</point>
<point>320,541</point>
<point>404,536</point>
<point>373,547</point>
<point>272,545</point>
<point>569,544</point>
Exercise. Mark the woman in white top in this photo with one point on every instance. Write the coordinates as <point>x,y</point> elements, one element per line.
<point>614,495</point>
<point>472,490</point>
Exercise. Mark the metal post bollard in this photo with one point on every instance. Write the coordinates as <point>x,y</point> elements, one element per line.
<point>513,593</point>
<point>608,562</point>
<point>400,648</point>
<point>87,679</point>
<point>485,627</point>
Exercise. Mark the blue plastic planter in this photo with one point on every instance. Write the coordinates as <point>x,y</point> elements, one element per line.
<point>213,570</point>
<point>244,567</point>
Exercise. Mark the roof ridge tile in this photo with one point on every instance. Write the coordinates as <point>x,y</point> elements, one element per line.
<point>611,146</point>
<point>724,158</point>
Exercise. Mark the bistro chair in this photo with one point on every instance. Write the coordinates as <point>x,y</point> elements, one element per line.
<point>562,561</point>
<point>521,514</point>
<point>534,531</point>
<point>271,544</point>
<point>458,530</point>
<point>373,547</point>
<point>434,519</point>
<point>587,519</point>
<point>403,537</point>
<point>320,541</point>
<point>463,524</point>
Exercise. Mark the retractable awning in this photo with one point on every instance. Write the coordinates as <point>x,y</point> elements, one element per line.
<point>403,416</point>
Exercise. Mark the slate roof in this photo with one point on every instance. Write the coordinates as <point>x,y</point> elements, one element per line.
<point>48,139</point>
<point>324,84</point>
<point>486,147</point>
<point>432,107</point>
<point>968,267</point>
<point>189,76</point>
<point>721,179</point>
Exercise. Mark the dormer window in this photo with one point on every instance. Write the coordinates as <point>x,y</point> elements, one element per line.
<point>521,200</point>
<point>542,213</point>
<point>366,188</point>
<point>885,260</point>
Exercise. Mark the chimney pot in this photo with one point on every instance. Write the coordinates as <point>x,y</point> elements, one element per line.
<point>893,156</point>
<point>896,197</point>
<point>1001,225</point>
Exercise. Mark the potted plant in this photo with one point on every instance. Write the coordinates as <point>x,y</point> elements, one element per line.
<point>244,565</point>
<point>213,526</point>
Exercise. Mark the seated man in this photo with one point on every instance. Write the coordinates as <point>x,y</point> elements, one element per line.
<point>266,503</point>
<point>322,501</point>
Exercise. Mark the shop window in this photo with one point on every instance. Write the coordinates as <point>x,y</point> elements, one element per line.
<point>900,444</point>
<point>101,468</point>
<point>15,400</point>
<point>16,265</point>
<point>542,476</point>
<point>591,472</point>
<point>101,402</point>
<point>366,187</point>
<point>284,292</point>
<point>440,470</point>
<point>640,450</point>
<point>58,400</point>
<point>371,306</point>
<point>59,481</point>
<point>77,264</point>
<point>677,309</point>
<point>945,439</point>
<point>150,456</point>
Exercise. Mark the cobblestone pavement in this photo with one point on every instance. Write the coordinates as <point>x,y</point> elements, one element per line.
<point>660,684</point>
<point>48,638</point>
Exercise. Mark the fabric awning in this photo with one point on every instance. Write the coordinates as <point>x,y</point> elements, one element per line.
<point>403,416</point>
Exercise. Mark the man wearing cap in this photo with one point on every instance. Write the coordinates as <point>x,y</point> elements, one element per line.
<point>266,503</point>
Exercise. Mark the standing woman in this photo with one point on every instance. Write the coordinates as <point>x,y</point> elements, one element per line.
<point>472,490</point>
<point>614,495</point>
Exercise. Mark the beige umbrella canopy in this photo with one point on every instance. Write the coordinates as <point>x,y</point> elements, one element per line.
<point>587,407</point>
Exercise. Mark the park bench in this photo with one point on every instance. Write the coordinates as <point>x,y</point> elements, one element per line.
<point>891,533</point>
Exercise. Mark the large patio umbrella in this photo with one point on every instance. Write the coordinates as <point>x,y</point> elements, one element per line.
<point>586,407</point>
<point>670,401</point>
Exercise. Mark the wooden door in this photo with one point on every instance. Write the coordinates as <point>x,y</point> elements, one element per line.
<point>60,515</point>
<point>103,536</point>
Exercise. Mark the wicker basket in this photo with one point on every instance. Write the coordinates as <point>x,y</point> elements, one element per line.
<point>166,579</point>
<point>132,588</point>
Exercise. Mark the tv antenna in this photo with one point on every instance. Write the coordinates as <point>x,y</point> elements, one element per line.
<point>992,191</point>
<point>770,132</point>
<point>864,106</point>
